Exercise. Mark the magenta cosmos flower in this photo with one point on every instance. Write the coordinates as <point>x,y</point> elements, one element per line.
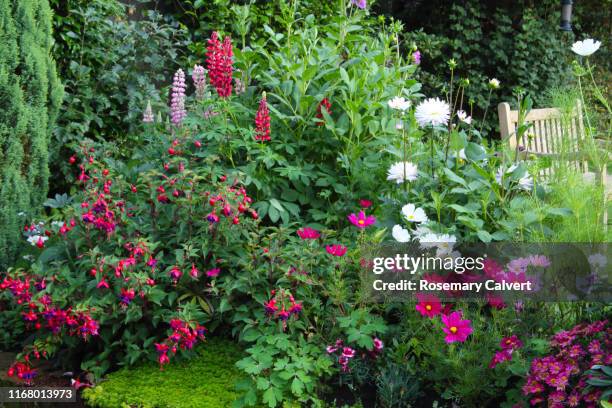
<point>429,305</point>
<point>456,328</point>
<point>308,233</point>
<point>336,250</point>
<point>361,221</point>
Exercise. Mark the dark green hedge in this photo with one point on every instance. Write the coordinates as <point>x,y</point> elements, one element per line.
<point>205,381</point>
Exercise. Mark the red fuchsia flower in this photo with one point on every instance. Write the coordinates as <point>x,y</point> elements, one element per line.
<point>324,104</point>
<point>336,250</point>
<point>308,233</point>
<point>270,307</point>
<point>103,284</point>
<point>365,204</point>
<point>262,121</point>
<point>213,273</point>
<point>429,305</point>
<point>361,221</point>
<point>126,296</point>
<point>194,273</point>
<point>175,274</point>
<point>219,61</point>
<point>456,328</point>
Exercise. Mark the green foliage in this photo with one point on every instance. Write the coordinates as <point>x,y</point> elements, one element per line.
<point>525,50</point>
<point>111,59</point>
<point>206,381</point>
<point>30,95</point>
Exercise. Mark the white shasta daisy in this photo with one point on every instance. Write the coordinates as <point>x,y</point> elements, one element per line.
<point>399,103</point>
<point>402,171</point>
<point>432,111</point>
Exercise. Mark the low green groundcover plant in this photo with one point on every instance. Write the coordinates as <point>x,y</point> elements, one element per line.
<point>205,381</point>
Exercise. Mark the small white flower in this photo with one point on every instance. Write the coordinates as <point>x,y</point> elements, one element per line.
<point>33,239</point>
<point>21,214</point>
<point>402,171</point>
<point>432,112</point>
<point>586,47</point>
<point>399,103</point>
<point>463,116</point>
<point>494,83</point>
<point>525,182</point>
<point>413,214</point>
<point>598,260</point>
<point>400,234</point>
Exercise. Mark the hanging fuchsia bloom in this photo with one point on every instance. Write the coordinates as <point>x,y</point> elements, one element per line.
<point>103,284</point>
<point>361,221</point>
<point>175,274</point>
<point>213,273</point>
<point>219,61</point>
<point>262,121</point>
<point>126,296</point>
<point>336,250</point>
<point>308,233</point>
<point>456,328</point>
<point>177,100</point>
<point>199,81</point>
<point>270,307</point>
<point>429,305</point>
<point>365,204</point>
<point>194,272</point>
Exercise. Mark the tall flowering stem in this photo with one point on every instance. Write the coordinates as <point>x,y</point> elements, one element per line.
<point>199,81</point>
<point>177,102</point>
<point>262,121</point>
<point>219,62</point>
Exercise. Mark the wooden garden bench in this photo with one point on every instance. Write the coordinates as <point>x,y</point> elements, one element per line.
<point>561,137</point>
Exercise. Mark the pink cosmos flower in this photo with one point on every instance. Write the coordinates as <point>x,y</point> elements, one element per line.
<point>361,221</point>
<point>456,328</point>
<point>308,233</point>
<point>336,250</point>
<point>511,343</point>
<point>429,305</point>
<point>213,273</point>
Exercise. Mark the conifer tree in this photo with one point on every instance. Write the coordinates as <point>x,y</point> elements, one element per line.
<point>30,96</point>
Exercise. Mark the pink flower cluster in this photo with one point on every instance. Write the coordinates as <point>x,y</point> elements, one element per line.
<point>219,62</point>
<point>508,346</point>
<point>456,328</point>
<point>345,354</point>
<point>262,121</point>
<point>288,306</point>
<point>199,81</point>
<point>308,233</point>
<point>23,371</point>
<point>183,337</point>
<point>559,380</point>
<point>177,100</point>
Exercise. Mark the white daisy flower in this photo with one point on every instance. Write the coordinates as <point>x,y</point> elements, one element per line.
<point>586,47</point>
<point>400,234</point>
<point>463,116</point>
<point>414,214</point>
<point>399,103</point>
<point>494,83</point>
<point>443,242</point>
<point>402,171</point>
<point>432,112</point>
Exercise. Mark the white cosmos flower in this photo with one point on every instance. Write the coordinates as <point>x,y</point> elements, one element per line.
<point>463,116</point>
<point>494,83</point>
<point>414,214</point>
<point>399,103</point>
<point>586,47</point>
<point>432,112</point>
<point>525,182</point>
<point>33,239</point>
<point>402,171</point>
<point>400,234</point>
<point>443,242</point>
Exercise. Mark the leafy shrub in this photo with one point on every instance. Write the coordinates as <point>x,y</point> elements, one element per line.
<point>30,95</point>
<point>111,59</point>
<point>207,380</point>
<point>116,260</point>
